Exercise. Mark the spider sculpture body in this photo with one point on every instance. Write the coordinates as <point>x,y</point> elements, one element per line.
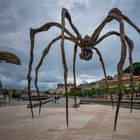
<point>87,46</point>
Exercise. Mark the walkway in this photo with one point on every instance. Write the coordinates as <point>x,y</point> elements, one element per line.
<point>89,122</point>
<point>59,104</point>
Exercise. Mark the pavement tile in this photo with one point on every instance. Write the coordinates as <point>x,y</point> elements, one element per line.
<point>89,122</point>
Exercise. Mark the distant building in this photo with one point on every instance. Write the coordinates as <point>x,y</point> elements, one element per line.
<point>86,86</point>
<point>113,82</point>
<point>60,85</point>
<point>61,88</point>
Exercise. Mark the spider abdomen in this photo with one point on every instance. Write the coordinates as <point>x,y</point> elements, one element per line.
<point>86,51</point>
<point>86,54</point>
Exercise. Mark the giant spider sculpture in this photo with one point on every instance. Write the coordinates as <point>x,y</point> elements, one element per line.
<point>87,45</point>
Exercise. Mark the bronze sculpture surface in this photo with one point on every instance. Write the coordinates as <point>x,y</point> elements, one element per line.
<point>87,46</point>
<point>9,57</point>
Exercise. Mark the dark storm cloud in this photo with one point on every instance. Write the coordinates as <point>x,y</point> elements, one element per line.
<point>17,17</point>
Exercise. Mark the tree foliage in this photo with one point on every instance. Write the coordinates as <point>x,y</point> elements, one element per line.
<point>97,91</point>
<point>136,70</point>
<point>16,95</point>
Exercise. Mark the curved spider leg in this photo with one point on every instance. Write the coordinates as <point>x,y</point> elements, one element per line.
<point>65,14</point>
<point>109,18</point>
<point>64,62</point>
<point>104,70</point>
<point>113,15</point>
<point>29,78</point>
<point>74,75</point>
<point>45,52</point>
<point>98,30</point>
<point>45,27</point>
<point>38,91</point>
<point>130,47</point>
<point>120,69</point>
<point>120,64</point>
<point>68,17</point>
<point>131,23</point>
<point>49,25</point>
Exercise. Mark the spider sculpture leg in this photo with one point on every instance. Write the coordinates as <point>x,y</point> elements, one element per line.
<point>111,15</point>
<point>43,28</point>
<point>120,74</point>
<point>45,52</point>
<point>46,27</point>
<point>65,14</point>
<point>130,47</point>
<point>104,71</point>
<point>117,15</point>
<point>131,23</point>
<point>74,74</point>
<point>64,62</point>
<point>40,63</point>
<point>103,67</point>
<point>29,78</point>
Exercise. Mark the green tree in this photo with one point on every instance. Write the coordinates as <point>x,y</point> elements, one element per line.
<point>136,70</point>
<point>16,94</point>
<point>47,92</point>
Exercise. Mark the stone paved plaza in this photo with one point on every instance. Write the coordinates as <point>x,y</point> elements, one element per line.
<point>89,122</point>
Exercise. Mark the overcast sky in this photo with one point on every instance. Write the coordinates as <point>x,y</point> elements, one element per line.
<point>18,16</point>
